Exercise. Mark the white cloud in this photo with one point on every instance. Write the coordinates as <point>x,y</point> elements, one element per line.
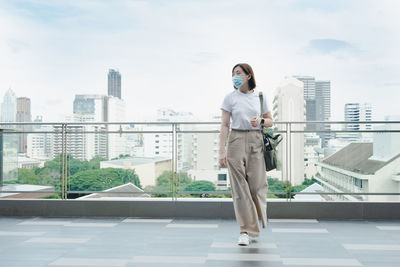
<point>180,53</point>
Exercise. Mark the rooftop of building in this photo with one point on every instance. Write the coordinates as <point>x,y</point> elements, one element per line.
<point>111,193</point>
<point>135,161</point>
<point>355,157</point>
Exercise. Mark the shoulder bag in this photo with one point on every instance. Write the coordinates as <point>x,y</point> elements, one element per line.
<point>271,141</point>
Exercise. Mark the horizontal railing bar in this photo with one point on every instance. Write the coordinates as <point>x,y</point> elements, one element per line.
<point>116,193</point>
<point>19,191</point>
<point>201,192</point>
<point>82,132</point>
<point>210,131</point>
<point>193,122</point>
<point>343,193</point>
<point>116,132</point>
<point>345,131</point>
<point>205,192</point>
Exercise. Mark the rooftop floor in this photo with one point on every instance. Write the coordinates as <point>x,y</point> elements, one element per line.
<point>181,242</point>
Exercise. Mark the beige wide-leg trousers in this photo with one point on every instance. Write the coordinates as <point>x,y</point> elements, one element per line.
<point>248,179</point>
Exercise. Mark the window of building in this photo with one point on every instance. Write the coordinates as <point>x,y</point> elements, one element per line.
<point>358,182</point>
<point>221,177</point>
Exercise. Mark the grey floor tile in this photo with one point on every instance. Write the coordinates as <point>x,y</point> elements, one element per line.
<point>300,230</point>
<point>169,259</point>
<point>20,233</point>
<point>191,225</point>
<point>371,247</point>
<point>389,227</point>
<point>243,257</point>
<point>57,240</point>
<point>234,245</point>
<point>135,220</point>
<point>23,263</point>
<point>292,221</point>
<point>97,262</point>
<point>320,262</point>
<point>117,244</point>
<point>211,263</point>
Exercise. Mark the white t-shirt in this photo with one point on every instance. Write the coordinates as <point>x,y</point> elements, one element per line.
<point>243,107</point>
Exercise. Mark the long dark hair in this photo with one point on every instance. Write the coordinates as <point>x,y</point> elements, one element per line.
<point>249,71</point>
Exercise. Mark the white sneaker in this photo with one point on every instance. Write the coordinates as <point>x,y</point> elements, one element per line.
<point>243,240</point>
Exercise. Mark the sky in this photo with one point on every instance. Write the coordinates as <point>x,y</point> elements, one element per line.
<point>180,53</point>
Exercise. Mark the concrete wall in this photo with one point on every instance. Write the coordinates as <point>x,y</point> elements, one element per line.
<point>199,208</point>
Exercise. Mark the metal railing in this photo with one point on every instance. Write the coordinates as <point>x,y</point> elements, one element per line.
<point>286,128</point>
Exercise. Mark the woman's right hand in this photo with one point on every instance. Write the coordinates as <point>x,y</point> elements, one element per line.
<point>222,159</point>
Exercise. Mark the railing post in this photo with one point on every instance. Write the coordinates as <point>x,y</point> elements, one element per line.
<point>64,162</point>
<point>1,157</point>
<point>288,154</point>
<point>174,157</point>
<point>176,182</point>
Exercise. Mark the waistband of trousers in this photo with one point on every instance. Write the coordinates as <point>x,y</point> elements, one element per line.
<point>242,130</point>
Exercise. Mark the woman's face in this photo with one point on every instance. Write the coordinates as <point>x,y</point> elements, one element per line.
<point>238,71</point>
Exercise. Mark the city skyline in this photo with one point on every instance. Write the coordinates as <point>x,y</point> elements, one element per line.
<point>52,51</point>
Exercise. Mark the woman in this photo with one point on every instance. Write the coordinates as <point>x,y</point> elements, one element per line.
<point>244,155</point>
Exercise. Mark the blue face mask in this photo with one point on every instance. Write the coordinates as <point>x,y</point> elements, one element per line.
<point>237,81</point>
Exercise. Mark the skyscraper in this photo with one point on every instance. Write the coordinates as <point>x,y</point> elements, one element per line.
<point>289,105</point>
<point>356,112</point>
<point>9,107</point>
<point>323,108</point>
<point>95,105</point>
<point>309,86</point>
<point>23,115</point>
<point>114,83</point>
<point>92,108</point>
<point>317,95</point>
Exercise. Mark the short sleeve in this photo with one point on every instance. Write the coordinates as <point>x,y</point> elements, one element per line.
<point>265,105</point>
<point>227,103</point>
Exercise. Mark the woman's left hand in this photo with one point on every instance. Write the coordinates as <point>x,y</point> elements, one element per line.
<point>255,122</point>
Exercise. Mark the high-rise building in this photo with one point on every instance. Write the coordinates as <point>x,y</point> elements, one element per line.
<point>9,108</point>
<point>95,105</point>
<point>101,108</point>
<point>318,105</point>
<point>323,109</point>
<point>23,115</point>
<point>38,119</point>
<point>160,144</point>
<point>114,83</point>
<point>40,145</point>
<point>308,84</point>
<point>323,100</point>
<point>289,105</point>
<point>311,114</point>
<point>116,110</point>
<point>356,112</point>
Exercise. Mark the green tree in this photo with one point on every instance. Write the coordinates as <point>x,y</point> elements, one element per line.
<point>200,186</point>
<point>121,156</point>
<point>102,179</point>
<point>27,176</point>
<point>94,163</point>
<point>163,182</point>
